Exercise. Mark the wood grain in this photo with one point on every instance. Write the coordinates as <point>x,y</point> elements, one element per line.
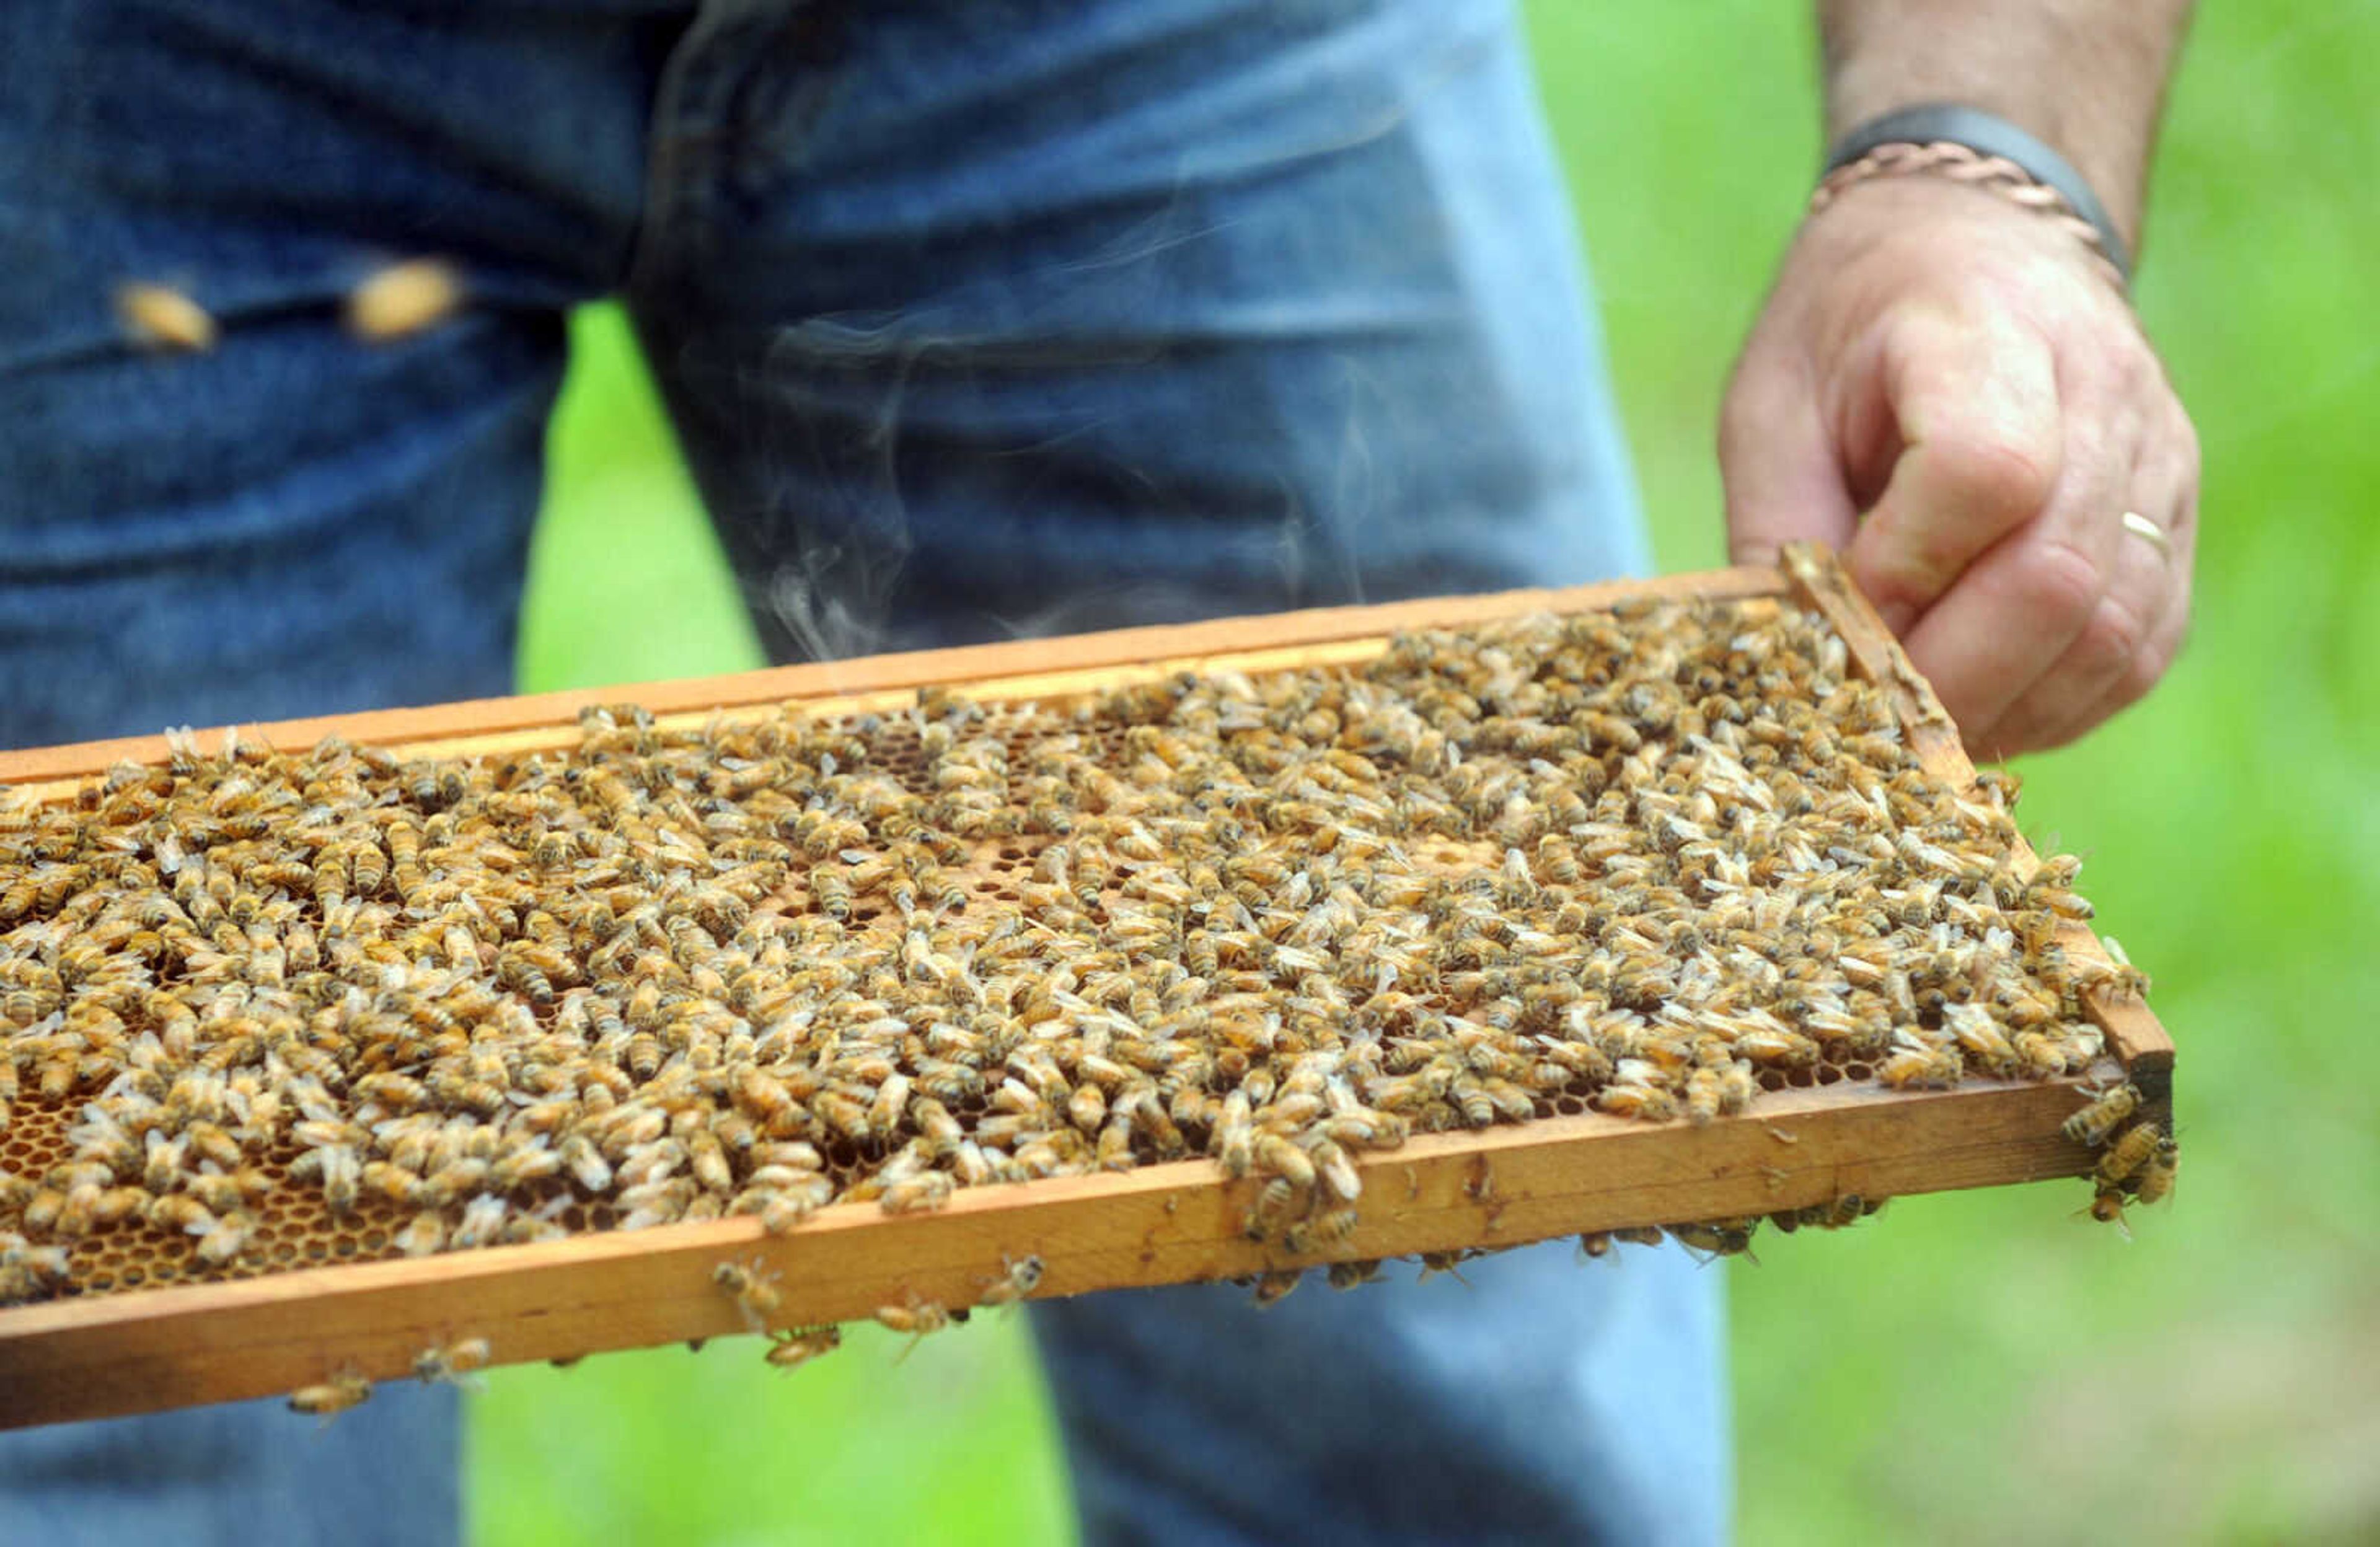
<point>157,1349</point>
<point>1181,1222</point>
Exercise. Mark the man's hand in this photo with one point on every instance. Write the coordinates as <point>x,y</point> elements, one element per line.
<point>1944,388</point>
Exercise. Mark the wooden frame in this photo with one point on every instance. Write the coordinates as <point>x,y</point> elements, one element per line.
<point>168,1347</point>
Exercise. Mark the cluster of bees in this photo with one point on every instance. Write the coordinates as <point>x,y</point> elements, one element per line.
<point>393,301</point>
<point>2138,1157</point>
<point>1649,861</point>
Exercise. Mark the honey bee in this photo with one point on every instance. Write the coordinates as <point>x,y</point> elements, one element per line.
<point>455,1177</point>
<point>1321,1231</point>
<point>210,1141</point>
<point>644,1050</point>
<point>707,1157</point>
<point>2052,888</point>
<point>1449,1263</point>
<point>830,888</point>
<point>223,1192</point>
<point>1472,1099</point>
<point>223,1240</point>
<point>1719,1237</point>
<point>2106,1206</point>
<point>119,1204</point>
<point>924,1192</point>
<point>1114,1151</point>
<point>2094,1124</point>
<point>333,1397</point>
<point>1980,1039</point>
<point>891,1102</point>
<point>1336,1170</point>
<point>1627,1098</point>
<point>27,1271</point>
<point>918,1318</point>
<point>586,1162</point>
<point>2129,982</point>
<point>781,1209</point>
<point>391,1090</point>
<point>1843,1212</point>
<point>176,1211</point>
<point>1777,1045</point>
<point>453,1363</point>
<point>424,1233</point>
<point>798,1345</point>
<point>1702,1095</point>
<point>752,1287</point>
<point>1915,1064</point>
<point>1286,1161</point>
<point>844,1114</point>
<point>1737,1087</point>
<point>165,318</point>
<point>2155,1180</point>
<point>525,1164</point>
<point>1086,1108</point>
<point>78,1211</point>
<point>1019,1278</point>
<point>2128,1153</point>
<point>2038,1055</point>
<point>527,970</point>
<point>1276,1202</point>
<point>403,299</point>
<point>1273,1288</point>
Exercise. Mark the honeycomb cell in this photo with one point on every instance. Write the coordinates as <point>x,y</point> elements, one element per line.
<point>475,927</point>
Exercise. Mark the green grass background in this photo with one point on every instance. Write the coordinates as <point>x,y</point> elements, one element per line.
<point>1971,1368</point>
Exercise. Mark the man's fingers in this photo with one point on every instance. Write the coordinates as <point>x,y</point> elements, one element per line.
<point>2139,624</point>
<point>2147,669</point>
<point>2009,618</point>
<point>1976,405</point>
<point>2051,711</point>
<point>1783,475</point>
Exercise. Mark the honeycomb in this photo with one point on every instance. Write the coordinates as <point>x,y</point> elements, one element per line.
<point>266,1010</point>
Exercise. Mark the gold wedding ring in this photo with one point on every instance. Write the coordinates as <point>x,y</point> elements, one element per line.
<point>2148,531</point>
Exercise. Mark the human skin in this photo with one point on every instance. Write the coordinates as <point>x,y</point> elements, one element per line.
<point>1946,387</point>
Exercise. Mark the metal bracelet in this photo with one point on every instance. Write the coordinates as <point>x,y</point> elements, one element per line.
<point>1971,146</point>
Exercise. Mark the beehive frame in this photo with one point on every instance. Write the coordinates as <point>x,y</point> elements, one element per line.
<point>162,1348</point>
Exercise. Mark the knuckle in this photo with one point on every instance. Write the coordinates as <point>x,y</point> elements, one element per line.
<point>2064,584</point>
<point>2000,475</point>
<point>2148,667</point>
<point>2113,639</point>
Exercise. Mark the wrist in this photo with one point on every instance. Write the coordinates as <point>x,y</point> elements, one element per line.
<point>1965,145</point>
<point>1947,247</point>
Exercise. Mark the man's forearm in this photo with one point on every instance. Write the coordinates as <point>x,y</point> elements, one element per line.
<point>2086,76</point>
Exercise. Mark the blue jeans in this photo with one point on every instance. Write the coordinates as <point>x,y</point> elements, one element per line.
<point>973,320</point>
